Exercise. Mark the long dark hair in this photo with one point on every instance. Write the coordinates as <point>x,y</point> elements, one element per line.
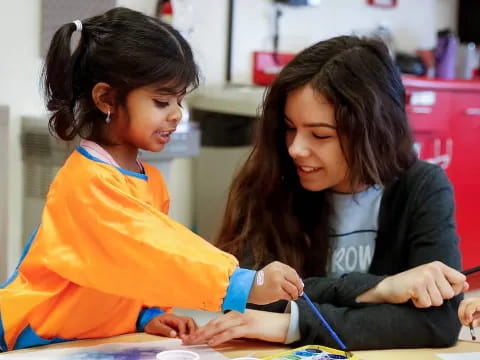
<point>269,215</point>
<point>123,48</point>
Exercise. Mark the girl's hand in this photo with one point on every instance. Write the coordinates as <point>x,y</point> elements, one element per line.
<point>469,312</point>
<point>253,324</point>
<point>274,282</point>
<point>426,285</point>
<point>171,325</point>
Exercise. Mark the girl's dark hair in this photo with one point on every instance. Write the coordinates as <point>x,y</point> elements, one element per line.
<point>269,215</point>
<point>123,48</point>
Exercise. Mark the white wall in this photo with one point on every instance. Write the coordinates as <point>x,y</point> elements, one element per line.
<point>146,6</point>
<point>413,22</point>
<point>208,38</point>
<point>447,14</point>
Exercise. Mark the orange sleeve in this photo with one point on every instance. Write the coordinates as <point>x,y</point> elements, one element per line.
<point>107,239</point>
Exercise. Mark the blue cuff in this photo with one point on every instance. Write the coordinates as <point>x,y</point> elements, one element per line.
<point>241,283</point>
<point>3,345</point>
<point>28,338</point>
<point>145,316</point>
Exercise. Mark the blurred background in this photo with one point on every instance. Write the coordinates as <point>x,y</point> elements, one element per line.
<point>240,46</point>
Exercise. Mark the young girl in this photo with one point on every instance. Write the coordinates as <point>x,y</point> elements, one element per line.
<point>106,259</point>
<point>334,189</point>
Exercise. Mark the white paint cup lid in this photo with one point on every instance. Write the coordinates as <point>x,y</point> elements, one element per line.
<point>177,355</point>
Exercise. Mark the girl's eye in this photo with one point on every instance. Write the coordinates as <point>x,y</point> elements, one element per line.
<point>161,104</point>
<point>180,104</point>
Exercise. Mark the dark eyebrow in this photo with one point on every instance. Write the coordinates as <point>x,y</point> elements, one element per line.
<point>166,92</point>
<point>314,124</point>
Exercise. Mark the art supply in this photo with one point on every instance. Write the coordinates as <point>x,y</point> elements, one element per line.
<point>312,352</point>
<point>178,355</point>
<point>471,271</point>
<point>472,332</point>
<point>327,325</point>
<point>473,277</point>
<point>445,54</point>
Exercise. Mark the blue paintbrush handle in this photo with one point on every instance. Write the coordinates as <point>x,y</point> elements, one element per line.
<point>324,322</point>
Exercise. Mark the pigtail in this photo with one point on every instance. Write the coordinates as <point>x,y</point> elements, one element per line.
<point>58,84</point>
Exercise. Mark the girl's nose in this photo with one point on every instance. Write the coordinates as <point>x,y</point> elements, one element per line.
<point>176,115</point>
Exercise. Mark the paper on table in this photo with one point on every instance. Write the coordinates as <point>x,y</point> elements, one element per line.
<point>460,356</point>
<point>115,351</point>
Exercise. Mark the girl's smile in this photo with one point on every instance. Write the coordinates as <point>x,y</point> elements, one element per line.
<point>163,137</point>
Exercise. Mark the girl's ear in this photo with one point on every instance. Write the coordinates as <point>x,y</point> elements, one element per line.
<point>103,96</point>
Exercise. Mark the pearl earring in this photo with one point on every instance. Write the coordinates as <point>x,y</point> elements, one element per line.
<point>108,119</point>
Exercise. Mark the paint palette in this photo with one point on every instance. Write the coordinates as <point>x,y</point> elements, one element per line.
<point>312,352</point>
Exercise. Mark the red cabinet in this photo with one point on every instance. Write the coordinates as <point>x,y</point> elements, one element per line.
<point>426,109</point>
<point>445,119</point>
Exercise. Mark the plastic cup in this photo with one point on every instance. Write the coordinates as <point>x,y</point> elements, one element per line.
<point>177,355</point>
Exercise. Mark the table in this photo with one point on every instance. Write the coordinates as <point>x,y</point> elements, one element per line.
<point>261,349</point>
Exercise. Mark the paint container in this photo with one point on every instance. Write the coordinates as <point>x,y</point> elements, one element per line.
<point>178,355</point>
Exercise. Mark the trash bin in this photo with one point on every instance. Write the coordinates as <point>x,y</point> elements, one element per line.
<point>175,164</point>
<point>226,117</point>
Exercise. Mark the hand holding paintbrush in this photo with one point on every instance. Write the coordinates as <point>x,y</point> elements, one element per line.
<point>469,313</point>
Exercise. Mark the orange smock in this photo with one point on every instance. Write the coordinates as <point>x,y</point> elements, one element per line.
<point>106,259</point>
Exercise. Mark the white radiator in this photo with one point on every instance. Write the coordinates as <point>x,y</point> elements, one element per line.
<point>3,191</point>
